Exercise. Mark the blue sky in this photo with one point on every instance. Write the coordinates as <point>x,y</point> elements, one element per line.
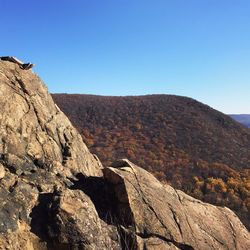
<point>195,48</point>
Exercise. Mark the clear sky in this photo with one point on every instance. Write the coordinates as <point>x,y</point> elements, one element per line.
<point>195,48</point>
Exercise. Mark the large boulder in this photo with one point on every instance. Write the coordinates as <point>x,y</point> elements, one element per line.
<point>154,216</point>
<point>75,223</point>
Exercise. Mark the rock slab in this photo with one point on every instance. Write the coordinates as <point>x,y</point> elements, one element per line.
<point>155,216</point>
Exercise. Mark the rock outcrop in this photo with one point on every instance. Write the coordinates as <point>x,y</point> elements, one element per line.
<point>33,129</point>
<point>24,66</point>
<point>153,214</point>
<point>39,152</point>
<point>54,194</point>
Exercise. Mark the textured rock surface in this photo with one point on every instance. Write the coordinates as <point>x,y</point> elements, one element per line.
<point>75,223</point>
<point>34,129</point>
<point>152,212</point>
<point>53,194</point>
<point>39,152</point>
<point>2,171</point>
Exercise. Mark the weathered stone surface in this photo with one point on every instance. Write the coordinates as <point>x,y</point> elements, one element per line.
<point>21,239</point>
<point>33,128</point>
<point>152,213</point>
<point>75,223</point>
<point>40,152</point>
<point>2,171</point>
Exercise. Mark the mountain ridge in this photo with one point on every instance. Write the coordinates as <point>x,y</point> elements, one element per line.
<point>212,115</point>
<point>242,118</point>
<point>182,141</point>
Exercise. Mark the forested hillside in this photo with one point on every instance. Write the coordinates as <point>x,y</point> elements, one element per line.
<point>181,141</point>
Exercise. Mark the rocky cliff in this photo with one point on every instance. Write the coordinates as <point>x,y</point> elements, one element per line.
<point>54,194</point>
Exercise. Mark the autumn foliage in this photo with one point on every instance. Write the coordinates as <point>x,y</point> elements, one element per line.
<point>181,141</point>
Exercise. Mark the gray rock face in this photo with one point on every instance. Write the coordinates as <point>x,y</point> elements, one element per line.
<point>33,128</point>
<point>159,217</point>
<point>76,224</point>
<point>40,152</point>
<point>54,194</point>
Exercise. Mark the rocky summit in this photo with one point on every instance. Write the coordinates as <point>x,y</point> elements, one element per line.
<point>54,194</point>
